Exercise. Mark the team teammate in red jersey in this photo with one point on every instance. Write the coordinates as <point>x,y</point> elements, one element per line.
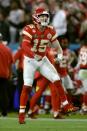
<point>65,65</point>
<point>82,64</point>
<point>6,60</point>
<point>36,38</point>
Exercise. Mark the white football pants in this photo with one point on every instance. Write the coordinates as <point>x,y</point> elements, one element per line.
<point>44,66</point>
<point>83,76</point>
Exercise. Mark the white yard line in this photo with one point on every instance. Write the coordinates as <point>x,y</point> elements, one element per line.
<point>46,119</point>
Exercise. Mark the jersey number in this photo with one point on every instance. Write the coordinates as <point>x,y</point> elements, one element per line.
<point>39,47</point>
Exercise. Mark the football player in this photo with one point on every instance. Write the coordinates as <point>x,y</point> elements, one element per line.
<point>65,64</point>
<point>36,38</point>
<point>82,62</point>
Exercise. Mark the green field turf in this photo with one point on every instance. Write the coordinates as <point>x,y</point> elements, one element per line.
<point>44,123</point>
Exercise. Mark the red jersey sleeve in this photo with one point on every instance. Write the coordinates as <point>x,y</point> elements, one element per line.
<point>53,32</point>
<point>50,55</point>
<point>27,41</point>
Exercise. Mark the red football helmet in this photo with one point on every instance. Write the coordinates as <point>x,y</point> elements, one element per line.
<point>38,17</point>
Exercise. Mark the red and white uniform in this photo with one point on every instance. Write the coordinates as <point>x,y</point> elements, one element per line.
<point>35,44</point>
<point>64,63</point>
<point>82,62</point>
<point>36,41</point>
<point>83,66</point>
<point>62,69</point>
<point>62,66</point>
<point>83,57</point>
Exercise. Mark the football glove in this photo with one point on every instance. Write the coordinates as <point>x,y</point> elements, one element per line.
<point>59,57</point>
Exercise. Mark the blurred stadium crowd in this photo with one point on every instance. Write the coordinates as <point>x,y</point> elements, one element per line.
<point>69,18</point>
<point>15,14</point>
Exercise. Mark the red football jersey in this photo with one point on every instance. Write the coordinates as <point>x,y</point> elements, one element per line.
<point>62,67</point>
<point>35,42</point>
<point>83,57</point>
<point>6,60</point>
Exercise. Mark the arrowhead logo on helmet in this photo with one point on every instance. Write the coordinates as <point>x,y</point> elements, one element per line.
<point>38,17</point>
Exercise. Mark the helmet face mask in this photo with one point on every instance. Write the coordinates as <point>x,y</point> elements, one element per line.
<point>44,19</point>
<point>41,17</point>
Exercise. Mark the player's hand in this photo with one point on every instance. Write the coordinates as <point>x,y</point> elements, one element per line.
<point>59,57</point>
<point>37,57</point>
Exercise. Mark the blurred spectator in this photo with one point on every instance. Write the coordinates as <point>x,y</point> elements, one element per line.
<point>73,26</point>
<point>83,28</point>
<point>39,3</point>
<point>4,27</point>
<point>5,5</point>
<point>53,7</point>
<point>75,8</point>
<point>60,20</point>
<point>28,18</point>
<point>26,5</point>
<point>5,73</point>
<point>16,20</point>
